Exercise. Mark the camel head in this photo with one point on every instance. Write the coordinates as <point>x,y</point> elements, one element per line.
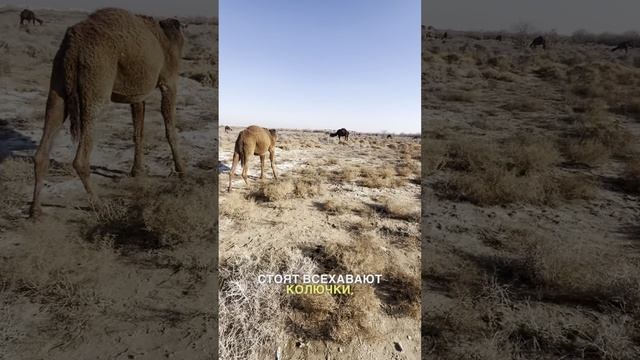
<point>274,135</point>
<point>173,30</point>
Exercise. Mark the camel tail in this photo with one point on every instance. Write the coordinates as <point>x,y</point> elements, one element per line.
<point>239,149</point>
<point>71,81</point>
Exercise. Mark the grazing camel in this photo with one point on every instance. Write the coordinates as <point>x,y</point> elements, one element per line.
<point>28,15</point>
<point>340,134</point>
<point>539,41</point>
<point>389,136</point>
<point>227,129</point>
<point>625,45</point>
<point>112,55</point>
<point>254,140</point>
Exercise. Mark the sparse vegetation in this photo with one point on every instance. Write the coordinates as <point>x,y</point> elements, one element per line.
<point>529,188</point>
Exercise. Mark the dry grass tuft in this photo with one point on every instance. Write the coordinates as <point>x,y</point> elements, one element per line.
<point>399,209</point>
<point>250,310</point>
<point>238,207</point>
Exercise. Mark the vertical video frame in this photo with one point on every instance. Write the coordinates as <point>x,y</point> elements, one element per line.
<point>530,181</point>
<point>319,180</point>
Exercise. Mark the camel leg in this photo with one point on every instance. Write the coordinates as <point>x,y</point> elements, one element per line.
<point>137,114</point>
<point>236,158</point>
<point>168,108</point>
<point>83,154</point>
<point>245,168</point>
<point>272,154</point>
<point>53,119</point>
<point>262,166</point>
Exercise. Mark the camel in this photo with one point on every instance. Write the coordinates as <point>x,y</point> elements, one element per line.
<point>28,15</point>
<point>498,38</point>
<point>625,45</point>
<point>112,55</point>
<point>539,41</point>
<point>253,140</point>
<point>340,134</point>
<point>389,136</point>
<point>227,129</point>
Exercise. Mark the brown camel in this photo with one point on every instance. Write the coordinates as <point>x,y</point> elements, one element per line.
<point>254,140</point>
<point>112,55</point>
<point>340,134</point>
<point>28,15</point>
<point>227,129</point>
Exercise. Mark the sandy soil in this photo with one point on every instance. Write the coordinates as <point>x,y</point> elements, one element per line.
<point>530,200</point>
<point>116,280</point>
<point>331,201</point>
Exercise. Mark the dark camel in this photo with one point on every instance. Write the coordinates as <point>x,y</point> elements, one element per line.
<point>112,55</point>
<point>625,45</point>
<point>254,140</point>
<point>28,15</point>
<point>539,41</point>
<point>340,134</point>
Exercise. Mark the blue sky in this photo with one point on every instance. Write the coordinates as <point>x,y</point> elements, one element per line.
<point>321,64</point>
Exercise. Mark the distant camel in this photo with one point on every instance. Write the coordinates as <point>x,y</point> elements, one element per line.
<point>340,134</point>
<point>499,38</point>
<point>539,41</point>
<point>115,55</point>
<point>389,136</point>
<point>28,15</point>
<point>445,35</point>
<point>625,45</point>
<point>227,129</point>
<point>254,140</point>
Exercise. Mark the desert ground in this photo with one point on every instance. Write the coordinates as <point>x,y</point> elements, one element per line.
<point>337,207</point>
<point>130,276</point>
<point>530,199</point>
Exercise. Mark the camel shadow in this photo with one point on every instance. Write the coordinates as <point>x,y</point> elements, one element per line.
<point>11,141</point>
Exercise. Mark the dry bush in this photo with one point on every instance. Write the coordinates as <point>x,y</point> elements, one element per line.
<point>579,271</point>
<point>400,292</point>
<point>381,177</point>
<point>591,152</point>
<point>523,105</point>
<point>238,207</point>
<point>357,315</point>
<point>521,171</point>
<point>400,209</point>
<point>335,206</point>
<point>58,270</point>
<point>16,175</point>
<point>249,310</point>
<point>156,215</point>
<point>275,190</point>
<point>576,187</point>
<point>348,173</point>
<point>594,136</point>
<point>529,155</point>
<point>457,96</point>
<point>360,256</point>
<point>307,187</point>
<point>181,213</point>
<point>434,155</point>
